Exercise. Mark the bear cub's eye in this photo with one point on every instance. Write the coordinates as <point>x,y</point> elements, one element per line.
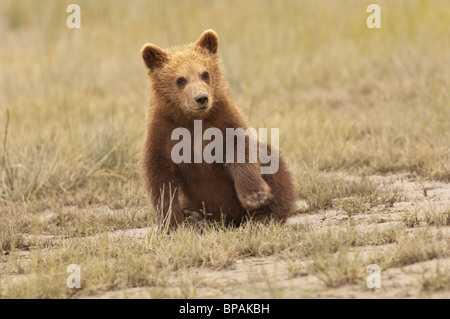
<point>205,76</point>
<point>181,81</point>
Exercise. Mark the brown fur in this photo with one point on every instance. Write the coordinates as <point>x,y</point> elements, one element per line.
<point>229,191</point>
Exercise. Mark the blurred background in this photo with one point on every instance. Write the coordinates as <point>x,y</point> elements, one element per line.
<point>345,97</point>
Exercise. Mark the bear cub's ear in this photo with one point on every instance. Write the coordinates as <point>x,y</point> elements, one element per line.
<point>154,57</point>
<point>209,40</point>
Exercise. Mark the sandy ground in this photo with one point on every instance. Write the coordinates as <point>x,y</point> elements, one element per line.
<point>395,282</point>
<point>269,277</point>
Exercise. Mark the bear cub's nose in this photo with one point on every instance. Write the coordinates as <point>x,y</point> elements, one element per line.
<point>202,100</point>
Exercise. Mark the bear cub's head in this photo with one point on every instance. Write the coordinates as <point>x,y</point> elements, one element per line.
<point>186,77</point>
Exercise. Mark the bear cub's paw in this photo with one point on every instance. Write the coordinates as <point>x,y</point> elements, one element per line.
<point>256,197</point>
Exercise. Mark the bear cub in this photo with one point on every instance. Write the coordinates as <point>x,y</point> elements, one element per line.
<point>187,85</point>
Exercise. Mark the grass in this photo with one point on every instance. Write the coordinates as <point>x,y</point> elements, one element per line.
<point>349,102</point>
<point>342,268</point>
<point>321,190</point>
<point>422,246</point>
<point>432,216</point>
<point>110,263</point>
<point>438,279</point>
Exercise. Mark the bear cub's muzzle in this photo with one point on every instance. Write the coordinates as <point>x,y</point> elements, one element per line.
<point>202,101</point>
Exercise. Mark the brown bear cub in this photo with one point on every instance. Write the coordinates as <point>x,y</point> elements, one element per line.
<point>187,85</point>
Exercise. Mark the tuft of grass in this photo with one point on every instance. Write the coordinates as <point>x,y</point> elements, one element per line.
<point>324,191</point>
<point>296,269</point>
<point>437,279</point>
<point>411,218</point>
<point>422,246</point>
<point>10,238</point>
<point>439,218</point>
<point>338,269</point>
<point>430,216</point>
<point>354,206</point>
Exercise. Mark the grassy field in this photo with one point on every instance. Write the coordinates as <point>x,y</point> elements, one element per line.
<point>364,119</point>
